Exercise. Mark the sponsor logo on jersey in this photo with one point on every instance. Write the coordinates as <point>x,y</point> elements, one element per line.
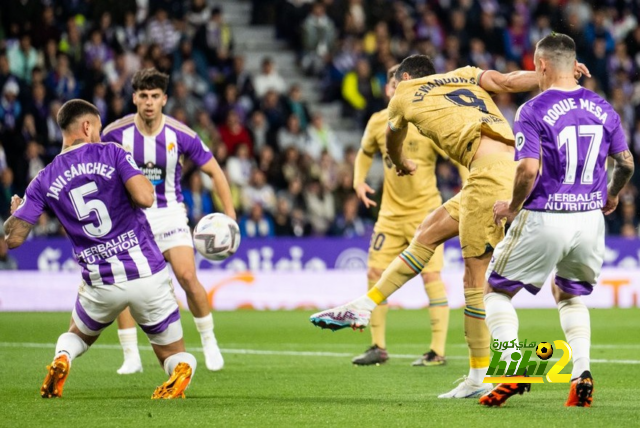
<point>154,173</point>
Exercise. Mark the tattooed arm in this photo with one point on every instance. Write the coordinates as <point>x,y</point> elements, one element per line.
<point>622,172</point>
<point>16,230</point>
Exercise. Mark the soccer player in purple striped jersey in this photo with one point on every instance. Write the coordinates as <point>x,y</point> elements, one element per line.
<point>157,142</point>
<point>563,138</point>
<point>95,190</point>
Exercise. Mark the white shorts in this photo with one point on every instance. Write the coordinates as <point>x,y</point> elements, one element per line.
<point>151,301</point>
<point>539,242</point>
<point>170,227</point>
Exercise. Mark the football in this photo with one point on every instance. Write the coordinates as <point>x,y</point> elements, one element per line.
<point>216,236</point>
<point>544,350</point>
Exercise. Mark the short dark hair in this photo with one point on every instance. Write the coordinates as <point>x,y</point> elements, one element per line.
<point>558,48</point>
<point>72,110</point>
<point>391,73</point>
<point>416,66</point>
<point>148,79</point>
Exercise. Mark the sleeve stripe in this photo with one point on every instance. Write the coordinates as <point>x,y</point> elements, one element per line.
<point>479,79</point>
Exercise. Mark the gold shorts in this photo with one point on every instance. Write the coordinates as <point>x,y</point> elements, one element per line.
<point>490,179</point>
<point>391,237</point>
<point>452,207</point>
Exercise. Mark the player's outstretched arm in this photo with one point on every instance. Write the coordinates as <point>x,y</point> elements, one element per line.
<point>15,229</point>
<point>525,180</point>
<point>141,190</point>
<point>221,186</point>
<point>518,81</point>
<point>622,172</point>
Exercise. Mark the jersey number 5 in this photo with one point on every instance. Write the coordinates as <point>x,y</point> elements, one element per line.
<point>85,208</point>
<point>466,98</point>
<point>569,138</point>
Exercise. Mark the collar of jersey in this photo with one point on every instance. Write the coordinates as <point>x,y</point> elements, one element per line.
<point>565,90</point>
<point>135,122</point>
<point>74,147</point>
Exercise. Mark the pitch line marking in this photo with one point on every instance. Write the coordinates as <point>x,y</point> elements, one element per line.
<point>270,352</point>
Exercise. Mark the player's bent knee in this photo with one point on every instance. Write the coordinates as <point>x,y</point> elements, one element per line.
<point>188,280</point>
<point>429,277</point>
<point>164,334</point>
<point>374,274</point>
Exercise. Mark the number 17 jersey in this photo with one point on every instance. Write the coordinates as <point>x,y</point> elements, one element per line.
<point>572,133</point>
<point>84,188</point>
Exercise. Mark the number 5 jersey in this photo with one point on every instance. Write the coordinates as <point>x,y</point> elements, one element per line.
<point>84,187</point>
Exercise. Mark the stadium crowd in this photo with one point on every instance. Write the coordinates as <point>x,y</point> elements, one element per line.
<point>289,173</point>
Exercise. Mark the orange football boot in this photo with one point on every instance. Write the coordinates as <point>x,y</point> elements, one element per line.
<point>581,392</point>
<point>503,391</point>
<point>177,383</point>
<point>57,374</point>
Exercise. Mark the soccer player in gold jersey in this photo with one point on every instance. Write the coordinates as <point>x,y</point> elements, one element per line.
<point>405,203</point>
<point>456,111</point>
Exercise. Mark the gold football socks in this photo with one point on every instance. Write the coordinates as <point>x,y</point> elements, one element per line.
<point>439,315</point>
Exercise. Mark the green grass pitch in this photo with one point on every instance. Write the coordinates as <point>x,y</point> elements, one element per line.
<point>282,371</point>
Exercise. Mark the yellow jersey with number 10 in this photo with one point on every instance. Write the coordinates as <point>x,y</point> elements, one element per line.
<point>410,196</point>
<point>452,110</point>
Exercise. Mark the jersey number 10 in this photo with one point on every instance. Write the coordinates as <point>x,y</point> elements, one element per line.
<point>568,137</point>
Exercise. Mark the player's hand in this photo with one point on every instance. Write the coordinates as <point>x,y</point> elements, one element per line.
<point>361,191</point>
<point>15,203</point>
<point>502,210</point>
<point>581,70</point>
<point>408,167</point>
<point>611,205</point>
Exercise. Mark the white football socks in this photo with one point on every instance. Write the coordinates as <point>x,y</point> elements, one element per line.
<point>204,326</point>
<point>129,341</point>
<point>501,320</point>
<point>181,357</point>
<point>364,302</point>
<point>70,344</point>
<point>574,318</point>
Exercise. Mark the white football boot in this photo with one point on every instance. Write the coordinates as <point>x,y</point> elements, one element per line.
<point>130,366</point>
<point>467,388</point>
<point>212,355</point>
<point>341,317</point>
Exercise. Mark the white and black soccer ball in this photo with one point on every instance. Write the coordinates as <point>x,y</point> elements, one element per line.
<point>216,236</point>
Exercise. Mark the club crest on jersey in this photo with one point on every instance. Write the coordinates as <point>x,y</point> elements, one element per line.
<point>172,148</point>
<point>154,173</point>
<point>519,141</point>
<point>412,146</point>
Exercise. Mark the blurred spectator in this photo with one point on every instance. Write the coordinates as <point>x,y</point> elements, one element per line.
<point>7,190</point>
<point>273,110</point>
<point>128,35</point>
<point>181,98</point>
<point>258,192</point>
<point>260,131</point>
<point>240,77</point>
<point>7,262</point>
<point>348,224</point>
<point>256,224</point>
<point>96,50</point>
<point>10,107</point>
<point>282,225</point>
<point>233,133</point>
<point>292,135</point>
<point>34,160</point>
<point>268,165</point>
<point>429,28</point>
<point>360,90</point>
<point>160,30</point>
<point>206,130</point>
<point>296,105</point>
<point>214,38</point>
<point>318,33</point>
<point>197,199</point>
<point>320,206</point>
<point>240,165</point>
<point>231,102</point>
<point>268,79</point>
<point>46,226</point>
<point>193,82</point>
<point>22,58</point>
<point>54,135</point>
<point>322,138</point>
<point>61,81</point>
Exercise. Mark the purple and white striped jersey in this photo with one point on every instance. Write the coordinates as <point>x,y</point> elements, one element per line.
<point>159,156</point>
<point>572,133</point>
<point>84,188</point>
